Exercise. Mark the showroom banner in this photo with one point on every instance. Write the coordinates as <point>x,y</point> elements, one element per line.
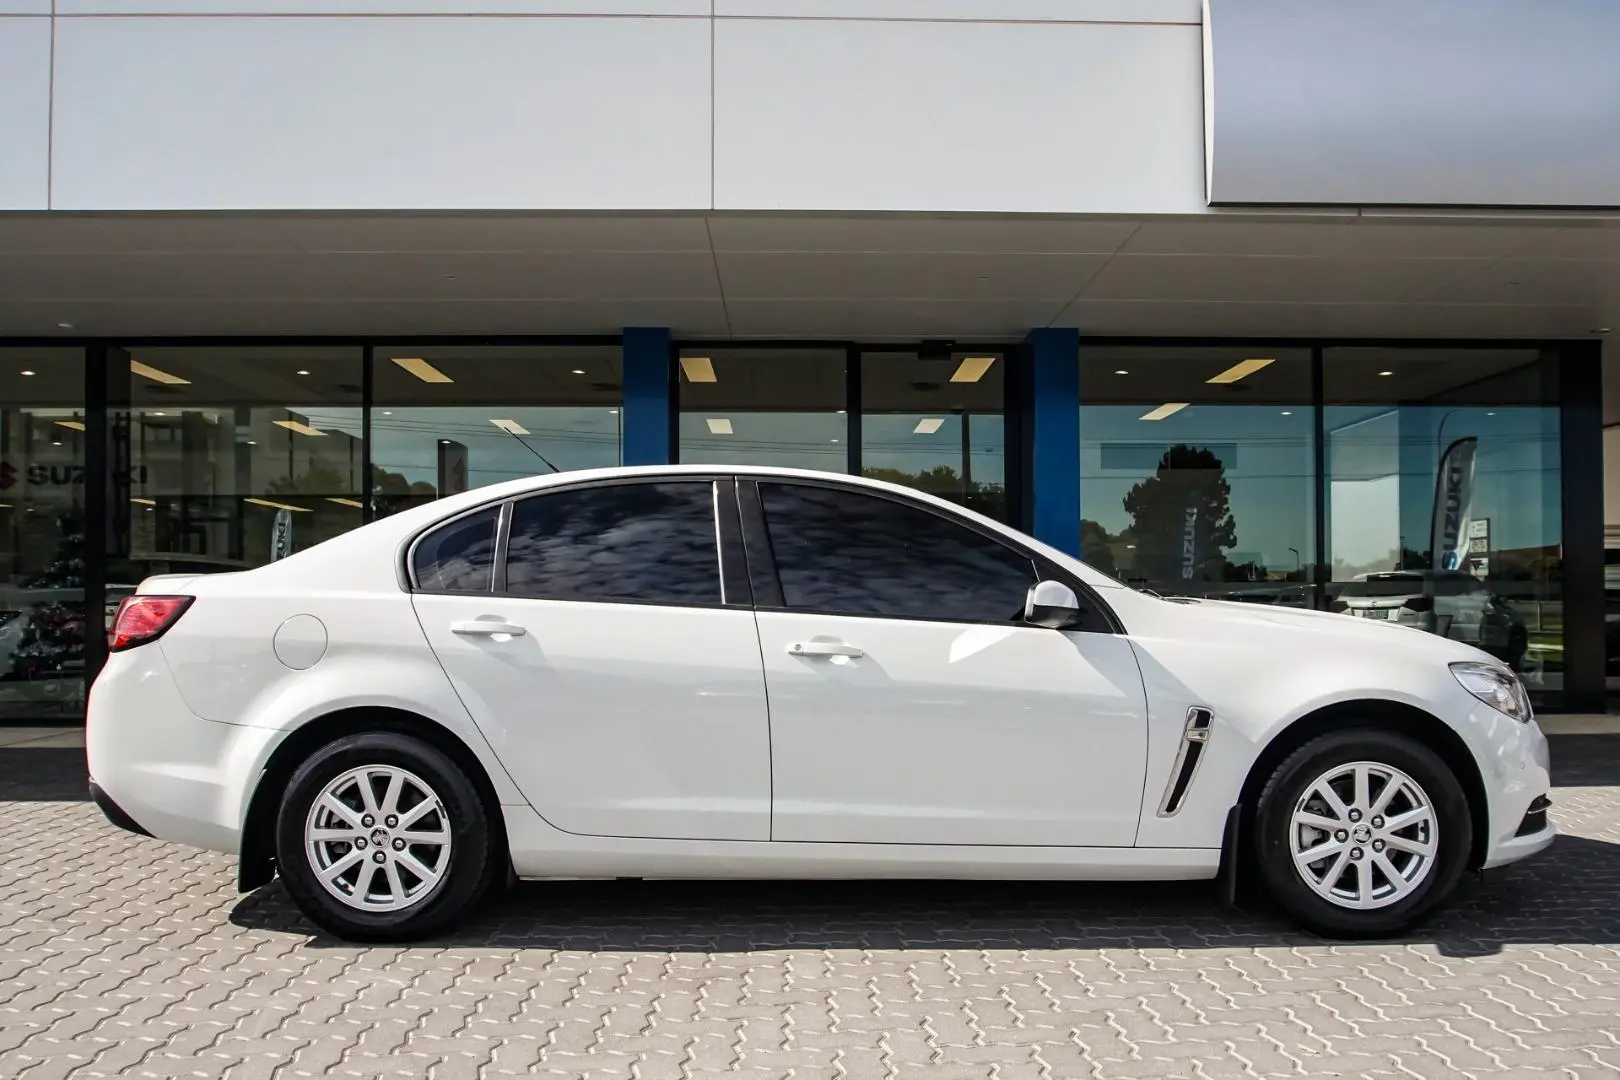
<point>1453,491</point>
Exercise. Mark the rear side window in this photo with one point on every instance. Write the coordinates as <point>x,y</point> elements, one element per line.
<point>458,557</point>
<point>850,553</point>
<point>646,542</point>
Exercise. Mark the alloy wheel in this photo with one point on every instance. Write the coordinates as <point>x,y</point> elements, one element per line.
<point>1363,835</point>
<point>378,839</point>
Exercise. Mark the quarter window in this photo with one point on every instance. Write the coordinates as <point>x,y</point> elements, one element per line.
<point>851,553</point>
<point>648,542</point>
<point>460,556</point>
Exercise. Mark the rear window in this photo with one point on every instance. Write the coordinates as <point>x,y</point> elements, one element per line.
<point>458,557</point>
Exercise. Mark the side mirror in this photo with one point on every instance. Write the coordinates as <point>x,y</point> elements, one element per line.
<point>1052,604</point>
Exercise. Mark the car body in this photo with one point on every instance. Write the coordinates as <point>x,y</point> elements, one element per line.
<point>1449,602</point>
<point>700,672</point>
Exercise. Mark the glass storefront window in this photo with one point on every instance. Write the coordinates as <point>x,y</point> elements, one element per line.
<point>1197,470</point>
<point>448,419</point>
<point>936,422</point>
<point>43,546</point>
<point>781,407</point>
<point>237,456</point>
<point>1444,497</point>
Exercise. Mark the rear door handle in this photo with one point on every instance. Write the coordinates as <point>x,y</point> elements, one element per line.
<point>823,648</point>
<point>487,628</point>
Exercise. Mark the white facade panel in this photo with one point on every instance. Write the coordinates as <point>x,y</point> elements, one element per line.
<point>380,7</point>
<point>1021,117</point>
<point>399,113</point>
<point>25,113</point>
<point>1135,11</point>
<point>25,7</point>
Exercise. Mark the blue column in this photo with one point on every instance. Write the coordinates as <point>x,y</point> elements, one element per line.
<point>648,393</point>
<point>1055,442</point>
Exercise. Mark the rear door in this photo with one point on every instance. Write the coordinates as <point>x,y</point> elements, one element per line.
<point>607,649</point>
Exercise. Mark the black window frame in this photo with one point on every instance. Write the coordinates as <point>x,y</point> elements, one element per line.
<point>1097,617</point>
<point>731,567</point>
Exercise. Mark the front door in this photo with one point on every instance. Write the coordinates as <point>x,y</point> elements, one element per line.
<point>616,681</point>
<point>910,704</point>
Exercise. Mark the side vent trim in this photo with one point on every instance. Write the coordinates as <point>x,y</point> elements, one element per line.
<point>1194,738</point>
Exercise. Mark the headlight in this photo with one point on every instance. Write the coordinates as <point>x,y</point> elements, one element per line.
<point>1496,687</point>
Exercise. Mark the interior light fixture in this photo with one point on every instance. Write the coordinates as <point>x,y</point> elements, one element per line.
<point>295,426</point>
<point>1386,373</point>
<point>388,412</point>
<point>158,412</point>
<point>74,425</point>
<point>144,502</point>
<point>698,369</point>
<point>579,371</point>
<point>1242,370</point>
<point>1121,371</point>
<point>422,369</point>
<point>973,368</point>
<point>27,372</point>
<point>301,371</point>
<point>511,427</point>
<point>278,505</point>
<point>64,326</point>
<point>146,371</point>
<point>1165,410</point>
<point>1288,412</point>
<point>56,442</point>
<point>928,426</point>
<point>719,426</point>
<point>358,505</point>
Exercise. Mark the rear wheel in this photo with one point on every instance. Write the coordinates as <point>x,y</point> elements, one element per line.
<point>381,837</point>
<point>1362,833</point>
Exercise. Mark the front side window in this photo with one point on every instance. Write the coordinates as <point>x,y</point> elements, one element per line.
<point>846,552</point>
<point>647,542</point>
<point>458,557</point>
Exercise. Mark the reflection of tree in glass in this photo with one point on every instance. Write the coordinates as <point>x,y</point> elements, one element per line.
<point>1097,547</point>
<point>944,481</point>
<point>1189,483</point>
<point>459,557</point>
<point>391,492</point>
<point>857,554</point>
<point>648,542</point>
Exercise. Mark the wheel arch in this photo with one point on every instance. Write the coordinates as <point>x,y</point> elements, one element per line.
<point>1375,714</point>
<point>256,859</point>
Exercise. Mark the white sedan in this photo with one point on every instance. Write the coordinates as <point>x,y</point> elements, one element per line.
<point>685,672</point>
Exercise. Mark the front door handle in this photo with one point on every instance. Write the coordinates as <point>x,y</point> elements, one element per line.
<point>487,628</point>
<point>823,648</point>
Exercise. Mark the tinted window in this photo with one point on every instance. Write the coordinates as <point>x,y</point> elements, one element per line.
<point>649,542</point>
<point>847,552</point>
<point>460,557</point>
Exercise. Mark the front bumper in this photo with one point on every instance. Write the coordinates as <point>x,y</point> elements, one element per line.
<point>1518,777</point>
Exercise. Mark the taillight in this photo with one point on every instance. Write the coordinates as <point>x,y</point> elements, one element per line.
<point>144,618</point>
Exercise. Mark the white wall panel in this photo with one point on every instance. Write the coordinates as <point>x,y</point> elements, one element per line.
<point>25,112</point>
<point>398,113</point>
<point>25,7</point>
<point>380,7</point>
<point>1057,118</point>
<point>1182,11</point>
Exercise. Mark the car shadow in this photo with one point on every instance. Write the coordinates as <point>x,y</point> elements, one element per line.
<point>43,774</point>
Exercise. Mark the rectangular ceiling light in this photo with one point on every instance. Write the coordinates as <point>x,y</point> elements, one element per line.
<point>928,427</point>
<point>719,426</point>
<point>144,502</point>
<point>422,370</point>
<point>698,369</point>
<point>1165,410</point>
<point>348,502</point>
<point>146,371</point>
<point>511,427</point>
<point>1241,370</point>
<point>973,369</point>
<point>72,425</point>
<point>278,506</point>
<point>294,425</point>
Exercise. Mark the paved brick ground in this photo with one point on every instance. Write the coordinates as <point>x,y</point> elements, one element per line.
<point>125,957</point>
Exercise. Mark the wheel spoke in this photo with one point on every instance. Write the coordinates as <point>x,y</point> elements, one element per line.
<point>1415,816</point>
<point>362,885</point>
<point>1364,881</point>
<point>424,873</point>
<point>396,887</point>
<point>390,800</point>
<point>1416,847</point>
<point>1384,796</point>
<point>1335,872</point>
<point>1323,790</point>
<point>339,809</point>
<point>439,836</point>
<point>1392,875</point>
<point>1319,852</point>
<point>1317,821</point>
<point>1363,792</point>
<point>418,812</point>
<point>333,836</point>
<point>368,795</point>
<point>341,867</point>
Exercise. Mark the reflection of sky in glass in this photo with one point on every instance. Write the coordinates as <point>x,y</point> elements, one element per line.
<point>891,441</point>
<point>1271,476</point>
<point>406,440</point>
<point>859,554</point>
<point>783,440</point>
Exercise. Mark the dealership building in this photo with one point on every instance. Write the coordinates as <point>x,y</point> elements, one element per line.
<point>1290,302</point>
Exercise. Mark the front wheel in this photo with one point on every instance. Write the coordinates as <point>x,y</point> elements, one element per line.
<point>1362,833</point>
<point>381,837</point>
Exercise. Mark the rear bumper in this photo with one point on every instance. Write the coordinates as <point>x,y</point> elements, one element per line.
<point>114,813</point>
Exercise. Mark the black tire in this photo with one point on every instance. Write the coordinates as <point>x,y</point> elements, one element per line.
<point>475,859</point>
<point>1273,854</point>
